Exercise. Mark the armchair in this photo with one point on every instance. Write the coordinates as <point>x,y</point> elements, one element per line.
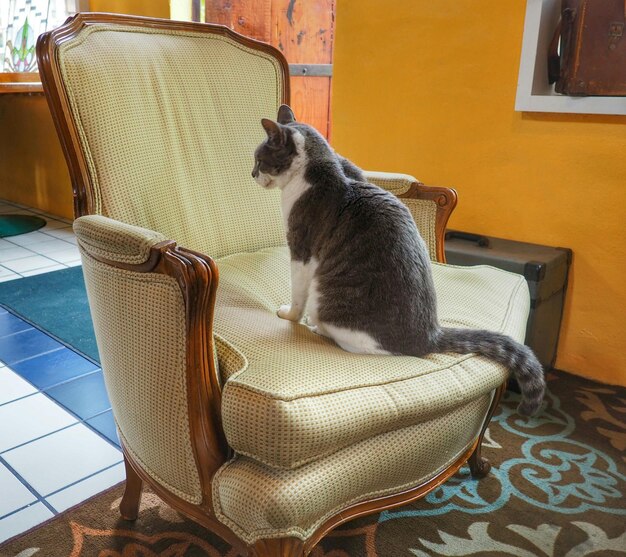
<point>265,433</point>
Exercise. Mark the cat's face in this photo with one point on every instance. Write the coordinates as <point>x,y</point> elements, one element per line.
<point>280,154</point>
<point>274,156</point>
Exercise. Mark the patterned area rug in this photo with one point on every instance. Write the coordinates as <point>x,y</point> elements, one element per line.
<point>557,489</point>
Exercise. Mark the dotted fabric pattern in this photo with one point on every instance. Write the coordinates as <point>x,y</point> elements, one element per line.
<point>139,322</point>
<point>424,212</point>
<point>115,240</point>
<point>394,182</point>
<point>300,397</point>
<point>169,122</point>
<point>257,501</point>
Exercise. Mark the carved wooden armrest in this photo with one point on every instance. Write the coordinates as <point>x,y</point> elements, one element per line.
<point>130,248</point>
<point>431,206</point>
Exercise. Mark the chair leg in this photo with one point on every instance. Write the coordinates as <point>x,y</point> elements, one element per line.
<point>278,547</point>
<point>479,466</point>
<point>129,507</point>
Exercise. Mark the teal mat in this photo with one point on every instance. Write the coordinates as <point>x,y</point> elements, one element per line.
<point>13,225</point>
<point>56,303</point>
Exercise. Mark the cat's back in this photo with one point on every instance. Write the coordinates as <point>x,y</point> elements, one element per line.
<point>374,212</point>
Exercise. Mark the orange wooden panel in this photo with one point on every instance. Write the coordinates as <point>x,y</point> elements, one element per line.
<point>248,17</point>
<point>303,30</point>
<point>310,98</point>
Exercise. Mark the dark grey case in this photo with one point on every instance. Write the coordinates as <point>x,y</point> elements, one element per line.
<point>545,269</point>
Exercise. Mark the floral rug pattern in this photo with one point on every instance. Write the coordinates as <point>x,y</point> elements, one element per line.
<point>557,488</point>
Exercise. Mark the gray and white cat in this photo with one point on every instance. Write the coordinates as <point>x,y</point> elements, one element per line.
<point>358,263</point>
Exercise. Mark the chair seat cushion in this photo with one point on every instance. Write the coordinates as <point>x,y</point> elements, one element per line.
<point>257,501</point>
<point>292,397</point>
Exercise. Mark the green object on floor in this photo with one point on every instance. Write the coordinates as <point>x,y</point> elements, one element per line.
<point>55,302</point>
<point>13,225</point>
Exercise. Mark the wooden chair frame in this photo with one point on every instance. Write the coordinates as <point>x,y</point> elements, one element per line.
<point>197,275</point>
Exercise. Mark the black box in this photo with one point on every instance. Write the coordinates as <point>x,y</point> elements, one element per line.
<point>545,269</point>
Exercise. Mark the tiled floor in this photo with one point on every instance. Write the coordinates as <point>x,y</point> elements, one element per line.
<point>58,444</point>
<point>48,249</point>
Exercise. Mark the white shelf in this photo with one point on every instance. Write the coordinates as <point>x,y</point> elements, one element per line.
<point>534,93</point>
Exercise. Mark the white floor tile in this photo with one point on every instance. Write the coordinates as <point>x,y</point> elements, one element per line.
<point>29,263</point>
<point>87,488</point>
<point>5,272</point>
<point>14,494</point>
<point>16,252</point>
<point>71,254</point>
<point>62,234</point>
<point>23,520</point>
<point>30,238</point>
<point>28,418</point>
<point>12,276</point>
<point>55,461</point>
<point>51,246</point>
<point>5,245</point>
<point>74,263</point>
<point>12,386</point>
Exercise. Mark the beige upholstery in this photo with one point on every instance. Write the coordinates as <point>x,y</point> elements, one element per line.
<point>169,143</point>
<point>259,501</point>
<point>139,320</point>
<point>116,241</point>
<point>299,396</point>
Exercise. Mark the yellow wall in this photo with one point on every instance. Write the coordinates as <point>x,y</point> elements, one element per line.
<point>148,8</point>
<point>32,166</point>
<point>428,88</point>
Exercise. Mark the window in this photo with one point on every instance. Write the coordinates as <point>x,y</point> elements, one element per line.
<point>21,22</point>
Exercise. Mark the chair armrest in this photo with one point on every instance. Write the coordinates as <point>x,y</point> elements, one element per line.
<point>118,243</point>
<point>152,306</point>
<point>430,206</point>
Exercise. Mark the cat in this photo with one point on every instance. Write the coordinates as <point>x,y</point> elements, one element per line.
<point>358,263</point>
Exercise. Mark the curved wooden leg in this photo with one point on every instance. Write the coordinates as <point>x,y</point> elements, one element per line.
<point>129,507</point>
<point>479,466</point>
<point>278,547</point>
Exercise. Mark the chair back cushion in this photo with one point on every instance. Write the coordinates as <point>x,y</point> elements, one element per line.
<point>168,120</point>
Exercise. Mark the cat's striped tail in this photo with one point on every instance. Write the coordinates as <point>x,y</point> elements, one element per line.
<point>520,360</point>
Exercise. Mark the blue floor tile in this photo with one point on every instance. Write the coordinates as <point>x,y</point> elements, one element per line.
<point>105,424</point>
<point>49,369</point>
<point>85,396</point>
<point>26,344</point>
<point>10,324</point>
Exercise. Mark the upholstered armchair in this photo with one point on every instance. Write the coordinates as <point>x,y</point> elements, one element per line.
<point>265,433</point>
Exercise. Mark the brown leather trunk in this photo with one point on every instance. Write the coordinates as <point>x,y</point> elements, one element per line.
<point>592,58</point>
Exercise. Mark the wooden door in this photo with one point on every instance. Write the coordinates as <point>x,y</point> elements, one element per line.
<point>303,30</point>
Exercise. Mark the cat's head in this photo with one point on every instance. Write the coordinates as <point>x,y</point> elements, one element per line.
<point>282,154</point>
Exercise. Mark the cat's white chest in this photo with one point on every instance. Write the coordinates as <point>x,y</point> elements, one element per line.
<point>290,194</point>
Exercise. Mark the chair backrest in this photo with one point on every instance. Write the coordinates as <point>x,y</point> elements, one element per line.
<point>159,121</point>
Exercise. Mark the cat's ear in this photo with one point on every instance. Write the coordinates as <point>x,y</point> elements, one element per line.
<point>285,115</point>
<point>273,130</point>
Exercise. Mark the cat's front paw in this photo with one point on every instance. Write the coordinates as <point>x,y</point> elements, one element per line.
<point>285,312</point>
